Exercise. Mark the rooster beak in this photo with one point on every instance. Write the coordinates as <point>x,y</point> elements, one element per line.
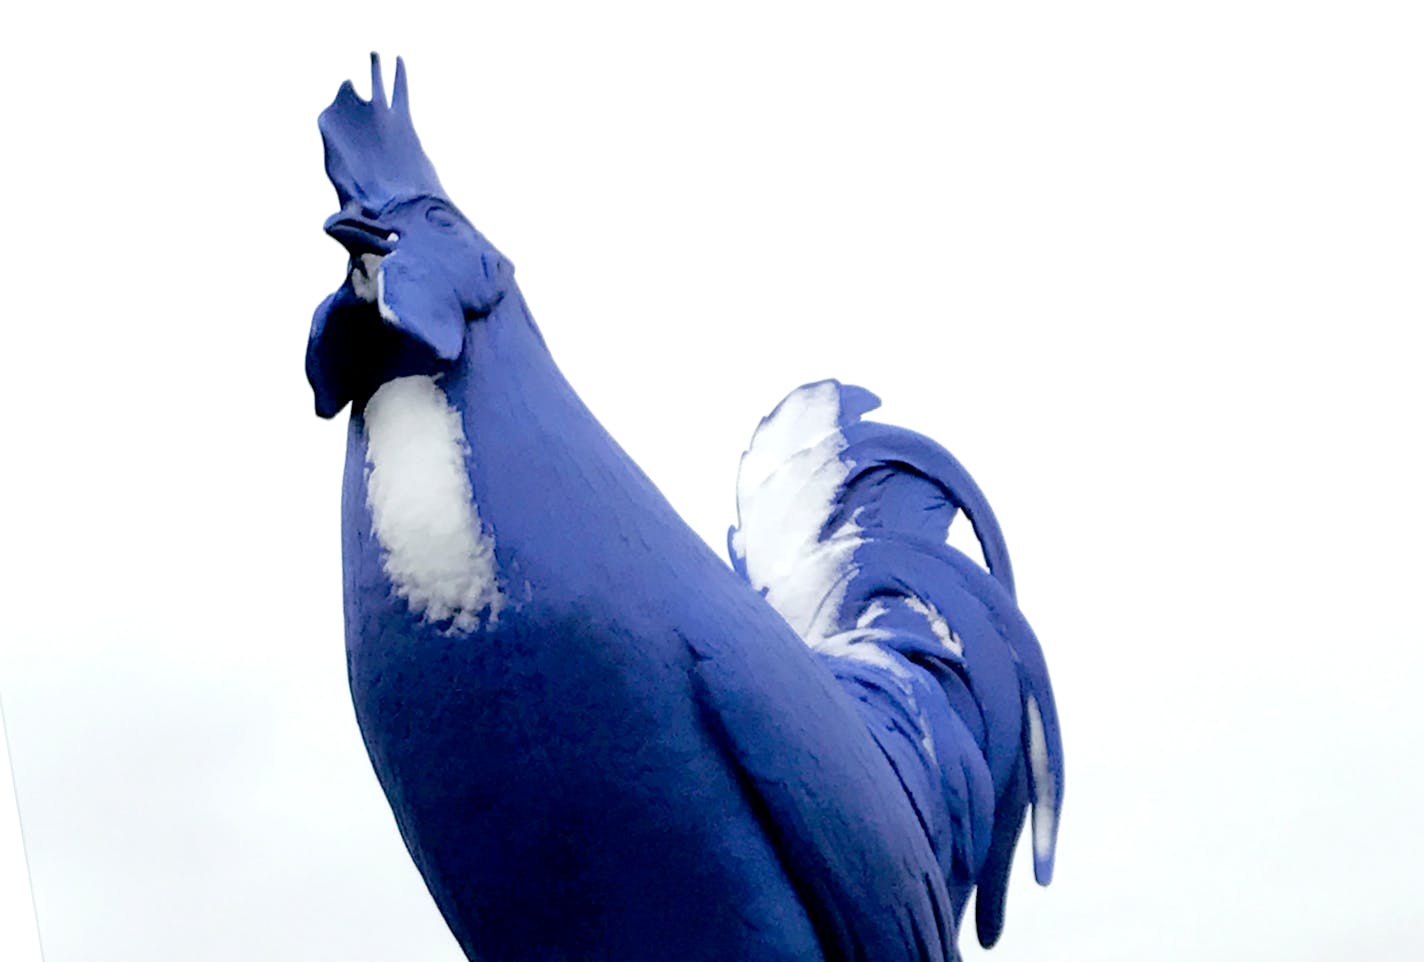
<point>360,234</point>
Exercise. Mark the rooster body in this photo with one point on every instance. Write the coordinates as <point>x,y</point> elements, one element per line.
<point>601,742</point>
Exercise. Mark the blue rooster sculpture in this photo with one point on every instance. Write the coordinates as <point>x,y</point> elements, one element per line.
<point>600,741</point>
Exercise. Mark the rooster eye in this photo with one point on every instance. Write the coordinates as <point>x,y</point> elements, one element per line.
<point>441,218</point>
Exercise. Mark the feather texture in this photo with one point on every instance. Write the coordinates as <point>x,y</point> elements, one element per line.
<point>843,525</point>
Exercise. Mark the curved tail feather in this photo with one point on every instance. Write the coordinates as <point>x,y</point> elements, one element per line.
<point>843,525</point>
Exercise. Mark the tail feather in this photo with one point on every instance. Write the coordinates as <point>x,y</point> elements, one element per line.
<point>843,524</point>
<point>904,485</point>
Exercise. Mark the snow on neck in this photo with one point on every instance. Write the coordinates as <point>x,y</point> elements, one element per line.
<point>436,552</point>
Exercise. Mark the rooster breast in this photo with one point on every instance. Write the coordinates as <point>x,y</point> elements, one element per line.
<point>435,550</point>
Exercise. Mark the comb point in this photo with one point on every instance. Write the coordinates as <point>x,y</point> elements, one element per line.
<point>378,84</point>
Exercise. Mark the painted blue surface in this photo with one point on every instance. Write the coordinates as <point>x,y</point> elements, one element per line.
<point>636,757</point>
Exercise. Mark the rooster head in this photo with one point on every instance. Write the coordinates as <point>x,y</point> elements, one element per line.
<point>418,269</point>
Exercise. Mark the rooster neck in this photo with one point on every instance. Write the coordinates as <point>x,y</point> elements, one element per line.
<point>543,510</point>
<point>557,490</point>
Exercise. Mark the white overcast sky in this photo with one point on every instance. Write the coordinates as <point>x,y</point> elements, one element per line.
<point>1152,271</point>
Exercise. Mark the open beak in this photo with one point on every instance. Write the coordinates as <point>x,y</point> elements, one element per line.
<point>360,235</point>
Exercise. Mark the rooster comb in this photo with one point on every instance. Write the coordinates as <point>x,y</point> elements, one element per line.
<point>372,153</point>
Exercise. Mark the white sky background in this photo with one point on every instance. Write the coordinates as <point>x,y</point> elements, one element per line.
<point>1151,271</point>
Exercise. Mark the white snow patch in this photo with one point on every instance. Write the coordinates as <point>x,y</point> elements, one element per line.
<point>786,489</point>
<point>862,644</point>
<point>388,315</point>
<point>365,276</point>
<point>1043,814</point>
<point>436,552</point>
<point>938,625</point>
<point>871,614</point>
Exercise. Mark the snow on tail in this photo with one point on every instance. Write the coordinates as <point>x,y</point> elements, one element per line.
<point>843,525</point>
